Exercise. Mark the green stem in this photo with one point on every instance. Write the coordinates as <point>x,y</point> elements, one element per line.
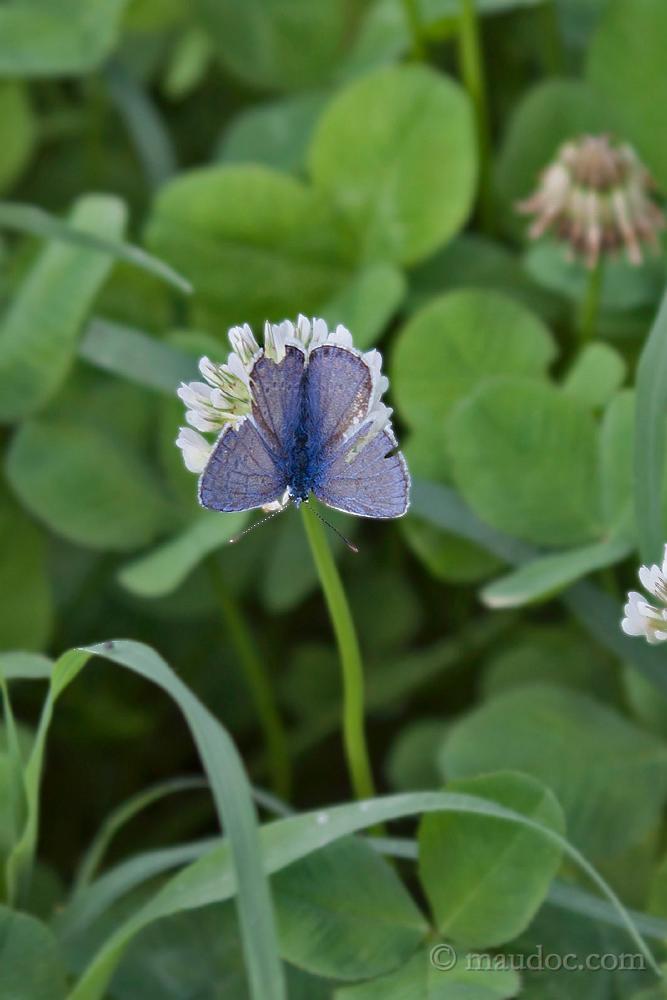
<point>354,736</point>
<point>472,72</point>
<point>411,8</point>
<point>258,683</point>
<point>552,43</point>
<point>590,305</point>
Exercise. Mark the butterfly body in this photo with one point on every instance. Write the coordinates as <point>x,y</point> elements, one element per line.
<point>307,435</point>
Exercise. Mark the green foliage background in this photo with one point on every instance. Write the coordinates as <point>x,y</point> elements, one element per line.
<point>171,168</point>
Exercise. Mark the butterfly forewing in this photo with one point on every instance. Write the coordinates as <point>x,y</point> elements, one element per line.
<point>338,385</point>
<point>276,393</point>
<point>241,472</point>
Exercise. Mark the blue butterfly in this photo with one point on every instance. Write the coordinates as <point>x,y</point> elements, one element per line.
<point>313,429</point>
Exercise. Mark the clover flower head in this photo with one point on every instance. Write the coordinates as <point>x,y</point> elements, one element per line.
<point>225,399</point>
<point>642,618</point>
<point>596,196</point>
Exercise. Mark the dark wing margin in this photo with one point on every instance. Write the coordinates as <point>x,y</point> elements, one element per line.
<point>276,395</point>
<point>376,483</point>
<point>338,386</point>
<point>241,473</point>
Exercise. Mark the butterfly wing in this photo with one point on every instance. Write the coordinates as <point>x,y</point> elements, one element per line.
<point>242,472</point>
<point>338,386</point>
<point>374,482</point>
<point>277,394</point>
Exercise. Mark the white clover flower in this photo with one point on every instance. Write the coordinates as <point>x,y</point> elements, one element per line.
<point>643,618</point>
<point>224,398</point>
<point>597,196</point>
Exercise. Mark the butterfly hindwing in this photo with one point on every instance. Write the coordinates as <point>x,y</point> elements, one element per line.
<point>242,472</point>
<point>374,483</point>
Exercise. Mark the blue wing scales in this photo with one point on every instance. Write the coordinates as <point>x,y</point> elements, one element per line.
<point>241,473</point>
<point>375,483</point>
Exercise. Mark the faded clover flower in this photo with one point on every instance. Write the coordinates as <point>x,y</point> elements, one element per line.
<point>224,398</point>
<point>596,196</point>
<point>641,616</point>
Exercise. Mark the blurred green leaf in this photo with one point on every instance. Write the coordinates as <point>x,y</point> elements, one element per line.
<point>26,600</point>
<point>447,557</point>
<point>598,371</point>
<point>194,954</point>
<point>551,654</point>
<point>366,304</point>
<point>344,913</point>
<point>39,330</point>
<point>144,123</point>
<point>419,980</point>
<point>545,116</point>
<point>608,775</point>
<point>518,431</point>
<point>368,155</point>
<point>617,444</point>
<point>40,38</point>
<point>476,900</point>
<point>165,568</point>
<point>87,487</point>
<point>559,931</point>
<point>649,465</point>
<point>452,345</point>
<point>24,666</point>
<point>30,966</point>
<point>475,261</point>
<point>624,285</point>
<point>546,576</point>
<point>411,764</point>
<point>136,357</point>
<point>30,219</point>
<point>17,130</point>
<point>256,244</point>
<point>626,65</point>
<point>275,135</point>
<point>269,44</point>
<point>289,573</point>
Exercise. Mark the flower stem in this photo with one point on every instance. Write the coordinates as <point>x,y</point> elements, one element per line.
<point>472,72</point>
<point>411,8</point>
<point>258,683</point>
<point>552,43</point>
<point>590,304</point>
<point>354,736</point>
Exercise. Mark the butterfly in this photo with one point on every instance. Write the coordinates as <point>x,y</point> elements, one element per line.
<point>315,427</point>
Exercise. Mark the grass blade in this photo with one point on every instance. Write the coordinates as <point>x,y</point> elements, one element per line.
<point>651,406</point>
<point>135,356</point>
<point>233,799</point>
<point>211,878</point>
<point>37,222</point>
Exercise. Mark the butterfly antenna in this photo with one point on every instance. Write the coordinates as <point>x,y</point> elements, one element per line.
<point>257,524</point>
<point>350,545</point>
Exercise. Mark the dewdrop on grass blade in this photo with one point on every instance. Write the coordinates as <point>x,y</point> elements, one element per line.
<point>643,618</point>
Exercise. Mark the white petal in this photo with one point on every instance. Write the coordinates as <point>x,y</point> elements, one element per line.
<point>243,343</point>
<point>196,449</point>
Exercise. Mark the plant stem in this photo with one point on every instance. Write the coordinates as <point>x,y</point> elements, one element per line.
<point>472,72</point>
<point>552,43</point>
<point>590,304</point>
<point>258,683</point>
<point>411,8</point>
<point>354,736</point>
